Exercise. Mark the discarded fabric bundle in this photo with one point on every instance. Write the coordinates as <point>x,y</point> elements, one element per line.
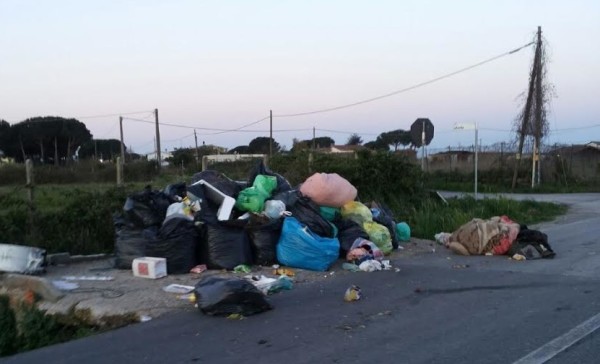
<point>328,189</point>
<point>221,296</point>
<point>479,236</point>
<point>299,247</point>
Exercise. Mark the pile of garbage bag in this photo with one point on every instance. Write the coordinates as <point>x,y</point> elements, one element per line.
<point>224,223</point>
<point>498,235</point>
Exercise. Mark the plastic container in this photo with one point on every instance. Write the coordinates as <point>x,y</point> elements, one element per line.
<point>149,267</point>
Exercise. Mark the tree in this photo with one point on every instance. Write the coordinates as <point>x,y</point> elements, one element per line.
<point>240,149</point>
<point>260,145</point>
<point>395,138</point>
<point>377,144</point>
<point>4,131</point>
<point>41,137</point>
<point>354,139</point>
<point>320,142</point>
<point>105,149</point>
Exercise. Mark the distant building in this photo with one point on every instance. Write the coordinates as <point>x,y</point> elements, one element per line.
<point>163,156</point>
<point>343,148</point>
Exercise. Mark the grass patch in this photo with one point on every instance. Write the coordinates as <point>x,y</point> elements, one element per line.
<point>432,217</point>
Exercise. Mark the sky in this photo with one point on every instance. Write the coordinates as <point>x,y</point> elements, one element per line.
<point>215,66</point>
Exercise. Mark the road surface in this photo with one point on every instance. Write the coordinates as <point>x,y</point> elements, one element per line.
<point>440,308</point>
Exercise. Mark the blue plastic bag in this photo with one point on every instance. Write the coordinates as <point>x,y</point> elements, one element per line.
<point>299,247</point>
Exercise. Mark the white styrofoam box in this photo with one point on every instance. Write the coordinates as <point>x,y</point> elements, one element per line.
<point>149,267</point>
<point>226,203</point>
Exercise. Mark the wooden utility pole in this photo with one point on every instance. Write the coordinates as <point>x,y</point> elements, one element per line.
<point>539,122</point>
<point>313,143</point>
<point>157,139</point>
<point>197,156</point>
<point>270,134</point>
<point>525,127</point>
<point>122,143</point>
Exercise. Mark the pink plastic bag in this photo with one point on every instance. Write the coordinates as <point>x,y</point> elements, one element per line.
<point>328,189</point>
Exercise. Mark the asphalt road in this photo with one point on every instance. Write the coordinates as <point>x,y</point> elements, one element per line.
<point>439,308</point>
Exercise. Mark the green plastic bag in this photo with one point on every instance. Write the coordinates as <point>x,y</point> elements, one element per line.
<point>329,213</point>
<point>357,212</point>
<point>379,235</point>
<point>253,198</point>
<point>265,184</point>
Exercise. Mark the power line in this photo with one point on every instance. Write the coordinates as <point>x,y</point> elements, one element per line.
<point>109,115</point>
<point>345,132</point>
<point>407,88</point>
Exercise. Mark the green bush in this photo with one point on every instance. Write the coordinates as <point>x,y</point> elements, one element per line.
<point>8,327</point>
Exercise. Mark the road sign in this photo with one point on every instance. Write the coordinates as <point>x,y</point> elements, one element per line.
<point>416,132</point>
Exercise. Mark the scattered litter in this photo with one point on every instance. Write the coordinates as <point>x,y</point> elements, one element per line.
<point>242,268</point>
<point>149,267</point>
<point>519,257</point>
<point>145,318</point>
<point>352,294</point>
<point>199,269</point>
<point>178,288</point>
<point>386,265</point>
<point>191,297</point>
<point>370,265</point>
<point>396,270</point>
<point>64,285</point>
<point>283,271</point>
<point>222,296</point>
<point>235,316</point>
<point>88,278</point>
<point>350,267</point>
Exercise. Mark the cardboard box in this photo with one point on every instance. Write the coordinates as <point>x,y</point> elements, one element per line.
<point>149,267</point>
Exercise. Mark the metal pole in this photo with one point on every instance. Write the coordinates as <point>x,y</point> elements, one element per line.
<point>476,155</point>
<point>197,156</point>
<point>270,134</point>
<point>157,140</point>
<point>122,144</point>
<point>423,147</point>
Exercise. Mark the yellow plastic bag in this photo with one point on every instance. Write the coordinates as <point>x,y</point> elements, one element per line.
<point>357,212</point>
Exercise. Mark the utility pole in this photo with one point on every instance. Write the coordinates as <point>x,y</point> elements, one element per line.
<point>197,157</point>
<point>270,134</point>
<point>313,143</point>
<point>157,140</point>
<point>535,83</point>
<point>96,149</point>
<point>122,144</point>
<point>538,112</point>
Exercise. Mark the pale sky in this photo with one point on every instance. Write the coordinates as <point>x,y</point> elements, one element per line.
<point>224,64</point>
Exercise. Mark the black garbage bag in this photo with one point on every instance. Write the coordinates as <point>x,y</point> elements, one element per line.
<point>176,191</point>
<point>260,168</point>
<point>348,232</point>
<point>532,244</point>
<point>385,217</point>
<point>218,181</point>
<point>178,242</point>
<point>146,208</point>
<point>264,234</point>
<point>222,296</point>
<point>307,212</point>
<point>131,241</point>
<point>225,244</point>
